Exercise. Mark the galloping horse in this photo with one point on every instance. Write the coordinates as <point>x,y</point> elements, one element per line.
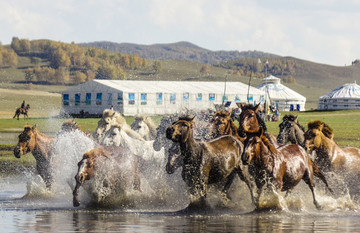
<point>205,162</point>
<point>250,123</point>
<point>330,156</point>
<point>286,165</point>
<point>115,169</point>
<point>224,125</point>
<point>145,126</point>
<point>291,131</point>
<point>40,145</point>
<point>23,111</point>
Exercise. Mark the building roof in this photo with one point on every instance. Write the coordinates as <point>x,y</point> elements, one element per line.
<point>175,86</point>
<point>348,90</point>
<point>278,91</point>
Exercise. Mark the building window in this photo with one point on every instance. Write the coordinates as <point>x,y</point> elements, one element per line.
<point>250,98</point>
<point>346,100</point>
<point>77,99</point>
<point>131,98</point>
<point>212,97</point>
<point>186,97</point>
<point>88,99</point>
<point>98,98</point>
<point>66,99</point>
<point>172,98</point>
<point>237,99</point>
<point>159,98</point>
<point>120,98</point>
<point>109,100</point>
<point>143,98</point>
<point>199,97</point>
<point>225,98</point>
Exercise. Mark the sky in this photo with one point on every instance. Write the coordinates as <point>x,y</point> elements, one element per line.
<point>322,31</point>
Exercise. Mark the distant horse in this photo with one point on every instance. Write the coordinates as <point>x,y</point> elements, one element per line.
<point>286,165</point>
<point>40,145</point>
<point>112,171</point>
<point>291,131</point>
<point>222,124</point>
<point>330,156</point>
<point>250,123</point>
<point>23,111</point>
<point>205,162</point>
<point>110,118</point>
<point>145,126</point>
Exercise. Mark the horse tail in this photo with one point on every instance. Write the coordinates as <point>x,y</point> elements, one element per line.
<point>318,173</point>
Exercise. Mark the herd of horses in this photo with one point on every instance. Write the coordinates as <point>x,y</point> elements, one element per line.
<point>208,146</point>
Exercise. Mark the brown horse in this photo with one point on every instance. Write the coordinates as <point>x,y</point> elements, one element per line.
<point>23,111</point>
<point>329,155</point>
<point>40,145</point>
<point>286,165</point>
<point>250,123</point>
<point>205,162</point>
<point>224,125</point>
<point>116,164</point>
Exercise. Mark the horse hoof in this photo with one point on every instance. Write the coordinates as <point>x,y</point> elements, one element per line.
<point>76,203</point>
<point>318,207</point>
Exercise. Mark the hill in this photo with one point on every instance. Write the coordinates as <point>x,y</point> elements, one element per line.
<point>177,51</point>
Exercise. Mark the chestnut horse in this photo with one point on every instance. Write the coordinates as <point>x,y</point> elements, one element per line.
<point>329,155</point>
<point>250,123</point>
<point>286,165</point>
<point>23,111</point>
<point>291,131</point>
<point>40,145</point>
<point>116,167</point>
<point>224,125</point>
<point>205,162</point>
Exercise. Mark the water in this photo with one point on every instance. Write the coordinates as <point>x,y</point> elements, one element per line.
<point>25,206</point>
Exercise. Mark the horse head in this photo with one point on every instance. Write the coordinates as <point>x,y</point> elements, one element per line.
<point>141,127</point>
<point>249,120</point>
<point>220,123</point>
<point>26,141</point>
<point>180,130</point>
<point>113,136</point>
<point>286,127</point>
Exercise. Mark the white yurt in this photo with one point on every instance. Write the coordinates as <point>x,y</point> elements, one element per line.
<point>131,97</point>
<point>345,97</point>
<point>282,97</point>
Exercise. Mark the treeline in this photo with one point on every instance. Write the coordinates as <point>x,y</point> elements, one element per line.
<point>63,63</point>
<point>285,68</point>
<point>8,58</point>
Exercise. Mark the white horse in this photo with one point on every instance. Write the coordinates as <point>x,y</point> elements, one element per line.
<point>145,126</point>
<point>109,119</point>
<point>117,136</point>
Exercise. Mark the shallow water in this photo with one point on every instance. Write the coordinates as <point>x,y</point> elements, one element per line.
<point>54,213</point>
<point>26,207</point>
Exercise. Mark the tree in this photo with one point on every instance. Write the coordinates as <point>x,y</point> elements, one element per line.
<point>79,77</point>
<point>204,69</point>
<point>156,66</point>
<point>9,58</point>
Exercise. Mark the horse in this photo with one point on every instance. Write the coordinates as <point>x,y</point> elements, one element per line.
<point>329,155</point>
<point>40,145</point>
<point>291,131</point>
<point>250,123</point>
<point>205,162</point>
<point>222,124</point>
<point>23,111</point>
<point>114,169</point>
<point>145,126</point>
<point>285,165</point>
<point>110,118</point>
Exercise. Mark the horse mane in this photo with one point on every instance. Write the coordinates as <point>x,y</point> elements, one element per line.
<point>323,127</point>
<point>292,118</point>
<point>150,123</point>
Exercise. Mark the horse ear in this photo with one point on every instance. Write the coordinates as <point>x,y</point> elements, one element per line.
<point>296,119</point>
<point>34,127</point>
<point>257,107</point>
<point>242,105</point>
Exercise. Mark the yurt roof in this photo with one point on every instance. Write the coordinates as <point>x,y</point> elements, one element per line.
<point>348,90</point>
<point>175,86</point>
<point>278,91</point>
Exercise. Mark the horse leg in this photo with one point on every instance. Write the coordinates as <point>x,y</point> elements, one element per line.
<point>318,173</point>
<point>76,201</point>
<point>229,181</point>
<point>248,184</point>
<point>310,182</point>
